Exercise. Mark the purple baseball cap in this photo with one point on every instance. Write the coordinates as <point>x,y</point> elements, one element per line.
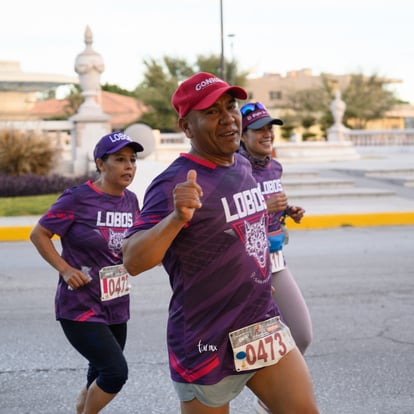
<point>255,116</point>
<point>113,142</point>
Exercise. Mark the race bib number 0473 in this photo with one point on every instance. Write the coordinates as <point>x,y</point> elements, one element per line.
<point>261,344</point>
<point>114,282</point>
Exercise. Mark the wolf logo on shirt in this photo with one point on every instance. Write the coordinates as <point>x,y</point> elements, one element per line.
<point>256,240</point>
<point>253,234</point>
<point>115,241</point>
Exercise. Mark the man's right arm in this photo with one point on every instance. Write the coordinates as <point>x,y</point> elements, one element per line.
<point>146,248</point>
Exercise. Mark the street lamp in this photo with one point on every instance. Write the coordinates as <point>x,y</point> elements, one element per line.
<point>222,41</point>
<point>232,66</point>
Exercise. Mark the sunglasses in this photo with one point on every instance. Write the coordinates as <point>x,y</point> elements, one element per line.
<point>251,107</point>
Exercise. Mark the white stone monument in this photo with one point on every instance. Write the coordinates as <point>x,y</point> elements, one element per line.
<point>337,147</point>
<point>90,122</point>
<point>337,131</point>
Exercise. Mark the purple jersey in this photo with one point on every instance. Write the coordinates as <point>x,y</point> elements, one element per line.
<point>268,174</point>
<point>218,265</point>
<point>91,225</point>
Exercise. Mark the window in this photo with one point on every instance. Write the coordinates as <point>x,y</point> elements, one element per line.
<point>275,95</point>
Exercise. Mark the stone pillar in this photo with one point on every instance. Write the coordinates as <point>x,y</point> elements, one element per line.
<point>337,131</point>
<point>90,122</point>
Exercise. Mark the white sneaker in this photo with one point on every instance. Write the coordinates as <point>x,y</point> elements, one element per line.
<point>261,408</point>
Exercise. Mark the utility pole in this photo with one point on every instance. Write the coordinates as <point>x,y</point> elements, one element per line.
<point>232,76</point>
<point>222,75</point>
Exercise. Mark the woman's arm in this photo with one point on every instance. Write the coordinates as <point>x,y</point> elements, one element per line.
<point>42,239</point>
<point>296,213</point>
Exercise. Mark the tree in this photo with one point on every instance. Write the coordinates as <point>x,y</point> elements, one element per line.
<point>366,99</point>
<point>74,101</point>
<point>47,94</point>
<point>110,87</point>
<point>161,79</point>
<point>211,64</point>
<point>311,107</point>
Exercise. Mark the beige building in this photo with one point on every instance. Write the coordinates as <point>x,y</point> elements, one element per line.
<point>123,110</point>
<point>18,89</point>
<point>18,97</point>
<point>272,90</point>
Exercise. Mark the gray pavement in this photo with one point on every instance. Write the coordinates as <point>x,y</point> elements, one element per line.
<point>359,285</point>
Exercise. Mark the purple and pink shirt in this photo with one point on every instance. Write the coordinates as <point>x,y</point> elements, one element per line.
<point>218,265</point>
<point>268,174</point>
<point>91,225</point>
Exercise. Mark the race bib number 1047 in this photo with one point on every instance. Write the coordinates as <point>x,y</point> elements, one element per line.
<point>114,282</point>
<point>261,344</point>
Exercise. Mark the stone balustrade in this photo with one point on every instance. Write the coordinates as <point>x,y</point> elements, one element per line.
<point>170,145</point>
<point>380,138</point>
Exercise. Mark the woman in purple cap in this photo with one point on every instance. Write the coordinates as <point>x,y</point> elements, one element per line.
<point>257,145</point>
<point>205,219</point>
<point>92,297</point>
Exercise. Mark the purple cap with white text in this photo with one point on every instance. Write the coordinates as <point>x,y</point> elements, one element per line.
<point>113,142</point>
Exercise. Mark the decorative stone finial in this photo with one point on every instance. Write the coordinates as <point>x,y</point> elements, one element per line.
<point>89,65</point>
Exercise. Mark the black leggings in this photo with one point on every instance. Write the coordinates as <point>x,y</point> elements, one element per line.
<point>102,345</point>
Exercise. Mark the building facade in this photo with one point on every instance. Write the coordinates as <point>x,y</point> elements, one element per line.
<point>273,89</point>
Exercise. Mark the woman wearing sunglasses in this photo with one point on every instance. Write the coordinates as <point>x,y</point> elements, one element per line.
<point>257,146</point>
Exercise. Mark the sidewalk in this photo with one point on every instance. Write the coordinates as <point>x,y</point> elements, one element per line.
<point>382,192</point>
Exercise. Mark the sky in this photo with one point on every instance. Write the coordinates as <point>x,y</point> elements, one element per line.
<point>331,36</point>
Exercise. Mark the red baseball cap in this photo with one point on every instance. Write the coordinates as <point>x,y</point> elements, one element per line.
<point>200,91</point>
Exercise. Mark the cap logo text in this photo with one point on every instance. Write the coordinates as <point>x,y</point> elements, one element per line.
<point>256,115</point>
<point>207,82</point>
<point>119,137</point>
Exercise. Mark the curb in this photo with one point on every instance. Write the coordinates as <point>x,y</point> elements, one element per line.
<point>327,221</point>
<point>316,222</point>
<point>17,233</point>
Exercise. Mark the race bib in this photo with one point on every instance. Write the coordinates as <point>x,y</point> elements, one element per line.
<point>277,261</point>
<point>114,282</point>
<point>261,344</point>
